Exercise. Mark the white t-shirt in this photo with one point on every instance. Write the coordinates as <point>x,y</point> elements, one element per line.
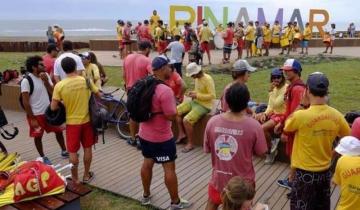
<point>177,49</point>
<point>58,70</point>
<point>332,34</point>
<point>39,99</point>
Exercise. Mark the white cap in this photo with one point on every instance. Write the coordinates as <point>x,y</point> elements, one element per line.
<point>192,69</point>
<point>349,145</point>
<point>242,65</point>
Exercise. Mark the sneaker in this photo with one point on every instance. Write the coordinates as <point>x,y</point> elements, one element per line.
<point>46,160</point>
<point>274,144</point>
<point>131,142</point>
<point>64,154</point>
<point>270,158</point>
<point>183,204</point>
<point>145,200</point>
<point>284,183</point>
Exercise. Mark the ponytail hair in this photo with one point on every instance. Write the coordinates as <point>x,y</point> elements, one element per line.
<point>236,192</point>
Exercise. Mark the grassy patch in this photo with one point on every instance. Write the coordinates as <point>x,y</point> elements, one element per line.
<point>100,199</point>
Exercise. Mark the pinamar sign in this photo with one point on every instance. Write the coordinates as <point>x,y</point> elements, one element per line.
<point>205,12</point>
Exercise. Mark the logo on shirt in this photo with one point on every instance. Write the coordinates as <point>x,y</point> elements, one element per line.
<point>226,147</point>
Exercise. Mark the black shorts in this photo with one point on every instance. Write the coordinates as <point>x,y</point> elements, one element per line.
<point>311,190</point>
<point>227,48</point>
<point>177,67</point>
<point>160,152</point>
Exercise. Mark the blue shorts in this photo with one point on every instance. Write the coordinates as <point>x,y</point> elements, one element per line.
<point>227,48</point>
<point>162,152</point>
<point>305,43</point>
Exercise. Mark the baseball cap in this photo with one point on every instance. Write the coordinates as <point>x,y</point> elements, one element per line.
<point>349,145</point>
<point>242,65</point>
<point>276,72</point>
<point>292,64</point>
<point>161,61</point>
<point>85,55</point>
<point>355,128</point>
<point>192,69</point>
<point>318,81</point>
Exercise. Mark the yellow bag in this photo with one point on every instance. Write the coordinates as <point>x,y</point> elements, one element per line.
<point>284,42</point>
<point>298,36</point>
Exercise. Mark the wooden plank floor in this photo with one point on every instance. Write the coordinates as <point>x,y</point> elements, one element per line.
<point>117,169</point>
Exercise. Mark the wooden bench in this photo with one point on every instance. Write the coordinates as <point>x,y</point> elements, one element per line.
<point>70,200</point>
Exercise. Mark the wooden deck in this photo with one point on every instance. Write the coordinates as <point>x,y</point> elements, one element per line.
<point>117,169</point>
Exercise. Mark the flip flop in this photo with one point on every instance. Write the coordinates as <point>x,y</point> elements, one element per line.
<point>179,141</point>
<point>91,177</point>
<point>186,150</point>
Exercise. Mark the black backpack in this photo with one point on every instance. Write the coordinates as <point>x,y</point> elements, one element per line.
<point>139,99</point>
<point>31,84</point>
<point>98,114</point>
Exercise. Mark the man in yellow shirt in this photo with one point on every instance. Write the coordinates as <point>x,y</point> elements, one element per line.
<point>189,112</point>
<point>267,38</point>
<point>205,34</point>
<point>74,94</point>
<point>249,38</point>
<point>91,70</point>
<point>287,35</point>
<point>175,30</point>
<point>315,130</point>
<point>347,172</point>
<point>154,20</point>
<point>119,32</point>
<point>306,38</point>
<point>275,32</point>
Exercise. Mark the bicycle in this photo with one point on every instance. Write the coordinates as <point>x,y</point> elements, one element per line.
<point>117,113</point>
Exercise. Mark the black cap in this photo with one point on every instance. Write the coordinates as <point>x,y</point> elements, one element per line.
<point>318,81</point>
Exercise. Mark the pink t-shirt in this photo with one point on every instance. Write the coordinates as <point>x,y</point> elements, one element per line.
<point>174,83</point>
<point>232,146</point>
<point>144,33</point>
<point>49,63</point>
<point>158,128</point>
<point>136,67</point>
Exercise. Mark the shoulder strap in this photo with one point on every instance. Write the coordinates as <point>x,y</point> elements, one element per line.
<point>31,83</point>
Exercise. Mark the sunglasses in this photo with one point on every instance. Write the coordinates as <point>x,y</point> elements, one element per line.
<point>41,64</point>
<point>276,77</point>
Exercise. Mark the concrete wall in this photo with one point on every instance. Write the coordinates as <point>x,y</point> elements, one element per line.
<point>32,46</point>
<point>112,45</point>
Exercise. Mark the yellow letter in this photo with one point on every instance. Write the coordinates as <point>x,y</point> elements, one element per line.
<point>44,178</point>
<point>176,8</point>
<point>19,190</point>
<point>319,24</point>
<point>32,185</point>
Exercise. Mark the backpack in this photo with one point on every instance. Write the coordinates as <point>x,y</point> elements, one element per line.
<point>98,114</point>
<point>139,99</point>
<point>290,87</point>
<point>31,84</point>
<point>9,75</point>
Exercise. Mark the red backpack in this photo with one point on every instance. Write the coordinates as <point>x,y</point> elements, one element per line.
<point>9,75</point>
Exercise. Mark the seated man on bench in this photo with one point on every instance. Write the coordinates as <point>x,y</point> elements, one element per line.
<point>189,112</point>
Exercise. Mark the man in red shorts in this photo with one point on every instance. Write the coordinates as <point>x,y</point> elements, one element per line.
<point>232,138</point>
<point>35,99</point>
<point>74,93</point>
<point>205,35</point>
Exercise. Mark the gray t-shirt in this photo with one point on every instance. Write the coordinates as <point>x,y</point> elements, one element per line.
<point>177,49</point>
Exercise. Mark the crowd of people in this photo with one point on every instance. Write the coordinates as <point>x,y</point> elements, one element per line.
<point>253,37</point>
<point>297,114</point>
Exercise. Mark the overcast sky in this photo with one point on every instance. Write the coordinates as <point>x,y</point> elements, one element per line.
<point>339,10</point>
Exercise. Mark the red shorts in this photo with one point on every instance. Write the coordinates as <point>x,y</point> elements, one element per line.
<point>241,44</point>
<point>267,44</point>
<point>161,46</point>
<point>44,126</point>
<point>187,46</point>
<point>214,195</point>
<point>76,134</point>
<point>121,45</point>
<point>205,47</point>
<point>277,118</point>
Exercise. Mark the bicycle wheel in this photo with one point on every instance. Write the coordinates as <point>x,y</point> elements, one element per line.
<point>122,126</point>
